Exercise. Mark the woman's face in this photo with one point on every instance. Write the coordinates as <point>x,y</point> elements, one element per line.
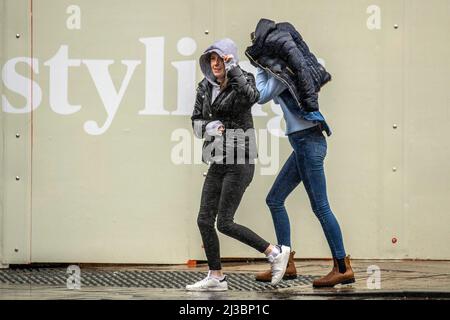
<point>217,66</point>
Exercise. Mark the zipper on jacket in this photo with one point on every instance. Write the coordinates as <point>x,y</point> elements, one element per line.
<point>208,97</point>
<point>219,97</point>
<point>277,77</point>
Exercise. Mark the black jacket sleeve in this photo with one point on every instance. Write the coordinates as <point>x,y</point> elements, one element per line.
<point>198,122</point>
<point>244,84</point>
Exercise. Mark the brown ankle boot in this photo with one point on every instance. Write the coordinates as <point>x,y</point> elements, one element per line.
<point>291,271</point>
<point>335,277</point>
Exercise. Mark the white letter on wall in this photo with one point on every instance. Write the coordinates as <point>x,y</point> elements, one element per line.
<point>186,87</point>
<point>99,71</point>
<point>181,152</point>
<point>374,21</point>
<point>21,85</point>
<point>154,76</point>
<point>186,77</point>
<point>74,21</point>
<point>59,66</point>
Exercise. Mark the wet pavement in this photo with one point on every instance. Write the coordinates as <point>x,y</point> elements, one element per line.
<point>375,279</point>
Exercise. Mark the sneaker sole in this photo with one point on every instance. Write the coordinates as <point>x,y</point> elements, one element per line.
<point>207,290</point>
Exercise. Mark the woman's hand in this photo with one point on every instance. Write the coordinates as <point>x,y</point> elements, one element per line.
<point>229,61</point>
<point>227,57</point>
<point>215,128</point>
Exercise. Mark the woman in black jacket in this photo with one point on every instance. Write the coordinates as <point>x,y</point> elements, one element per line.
<point>222,116</point>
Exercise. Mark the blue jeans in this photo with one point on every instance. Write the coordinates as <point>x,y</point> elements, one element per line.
<point>305,164</point>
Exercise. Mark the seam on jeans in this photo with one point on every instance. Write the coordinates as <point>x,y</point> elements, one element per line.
<point>330,241</point>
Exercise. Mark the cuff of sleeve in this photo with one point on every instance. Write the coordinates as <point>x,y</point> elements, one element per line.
<point>229,66</point>
<point>233,71</point>
<point>212,128</point>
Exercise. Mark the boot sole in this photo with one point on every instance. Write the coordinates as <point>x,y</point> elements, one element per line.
<point>352,280</point>
<point>348,281</point>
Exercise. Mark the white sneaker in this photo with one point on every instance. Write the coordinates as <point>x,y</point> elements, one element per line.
<point>209,284</point>
<point>279,264</point>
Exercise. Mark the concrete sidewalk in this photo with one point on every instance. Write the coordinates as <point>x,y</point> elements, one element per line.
<point>398,280</point>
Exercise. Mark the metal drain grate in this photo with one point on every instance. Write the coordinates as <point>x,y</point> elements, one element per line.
<point>147,279</point>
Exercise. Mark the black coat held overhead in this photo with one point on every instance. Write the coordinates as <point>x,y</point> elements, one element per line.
<point>233,108</point>
<point>280,50</point>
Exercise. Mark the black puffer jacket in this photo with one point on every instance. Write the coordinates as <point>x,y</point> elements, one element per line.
<point>280,50</point>
<point>233,108</point>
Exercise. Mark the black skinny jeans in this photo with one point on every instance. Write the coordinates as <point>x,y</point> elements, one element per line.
<point>222,192</point>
